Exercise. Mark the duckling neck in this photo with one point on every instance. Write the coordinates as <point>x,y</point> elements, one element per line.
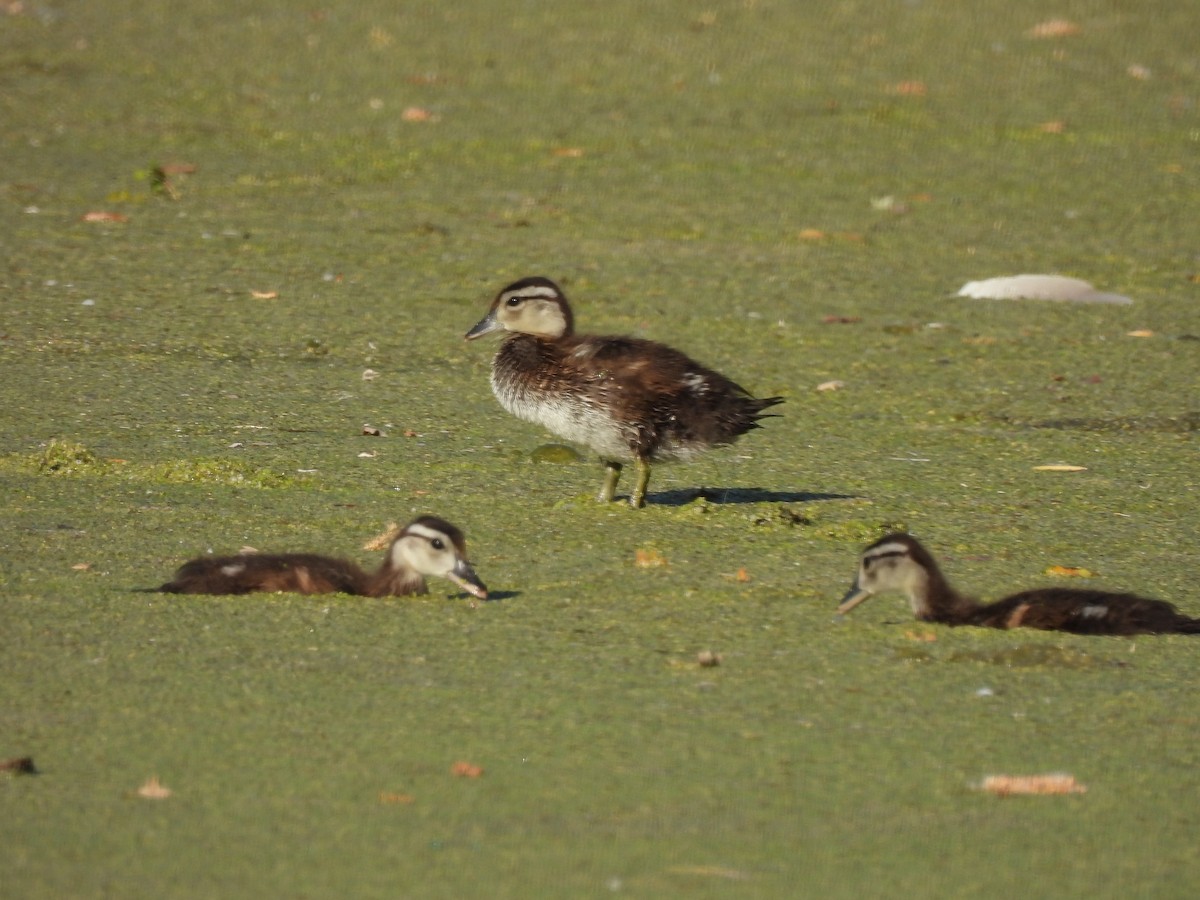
<point>396,580</point>
<point>934,599</point>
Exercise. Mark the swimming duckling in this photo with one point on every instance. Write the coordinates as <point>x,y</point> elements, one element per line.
<point>627,399</point>
<point>424,547</point>
<point>898,562</point>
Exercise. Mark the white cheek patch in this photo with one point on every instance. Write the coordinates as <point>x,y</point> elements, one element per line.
<point>696,383</point>
<point>1094,611</point>
<point>233,569</point>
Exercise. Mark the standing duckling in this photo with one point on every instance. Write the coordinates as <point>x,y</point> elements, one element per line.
<point>425,547</point>
<point>898,562</point>
<point>627,399</point>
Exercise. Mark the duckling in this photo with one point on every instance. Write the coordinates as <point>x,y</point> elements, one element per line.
<point>898,562</point>
<point>627,399</point>
<point>424,547</point>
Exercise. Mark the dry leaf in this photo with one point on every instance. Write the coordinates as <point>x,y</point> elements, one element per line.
<point>169,169</point>
<point>568,152</point>
<point>1060,468</point>
<point>925,637</point>
<point>19,765</point>
<point>371,431</point>
<point>102,216</point>
<point>707,659</point>
<point>264,295</point>
<point>811,234</point>
<point>384,539</point>
<point>369,375</point>
<point>367,454</point>
<point>831,385</point>
<point>648,559</point>
<point>153,789</point>
<point>81,567</point>
<point>909,88</point>
<point>1069,572</point>
<point>1141,73</point>
<point>416,114</point>
<point>1009,785</point>
<point>1053,28</point>
<point>389,797</point>
<point>1054,126</point>
<point>466,770</point>
<point>741,575</point>
<point>1141,332</point>
<point>408,432</point>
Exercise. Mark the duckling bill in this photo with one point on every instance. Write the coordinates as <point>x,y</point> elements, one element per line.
<point>899,562</point>
<point>426,547</point>
<point>628,399</point>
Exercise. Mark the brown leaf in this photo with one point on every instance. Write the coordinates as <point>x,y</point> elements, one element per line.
<point>1059,467</point>
<point>466,770</point>
<point>19,765</point>
<point>648,558</point>
<point>1010,785</point>
<point>1053,28</point>
<point>177,168</point>
<point>153,789</point>
<point>909,88</point>
<point>416,114</point>
<point>392,798</point>
<point>841,320</point>
<point>811,234</point>
<point>264,295</point>
<point>707,659</point>
<point>383,540</point>
<point>568,152</point>
<point>103,216</point>
<point>1069,572</point>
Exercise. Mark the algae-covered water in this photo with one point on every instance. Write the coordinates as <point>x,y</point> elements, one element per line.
<point>234,234</point>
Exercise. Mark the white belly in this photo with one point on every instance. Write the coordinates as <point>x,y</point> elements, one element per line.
<point>571,418</point>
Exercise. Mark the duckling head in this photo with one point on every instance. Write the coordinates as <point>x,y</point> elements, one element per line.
<point>533,306</point>
<point>433,547</point>
<point>894,563</point>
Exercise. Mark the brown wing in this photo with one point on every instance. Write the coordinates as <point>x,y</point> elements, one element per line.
<point>304,573</point>
<point>1085,612</point>
<point>668,395</point>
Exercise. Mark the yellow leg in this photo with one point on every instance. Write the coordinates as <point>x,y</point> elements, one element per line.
<point>638,498</point>
<point>612,472</point>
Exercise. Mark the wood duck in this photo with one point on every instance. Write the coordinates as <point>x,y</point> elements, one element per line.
<point>898,562</point>
<point>627,399</point>
<point>427,546</point>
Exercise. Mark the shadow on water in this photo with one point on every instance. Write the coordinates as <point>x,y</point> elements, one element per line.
<point>738,495</point>
<point>494,596</point>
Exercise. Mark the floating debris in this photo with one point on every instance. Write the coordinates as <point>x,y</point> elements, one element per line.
<point>1012,785</point>
<point>1038,287</point>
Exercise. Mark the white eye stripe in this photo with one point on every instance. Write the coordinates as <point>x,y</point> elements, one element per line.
<point>430,534</point>
<point>886,550</point>
<point>548,293</point>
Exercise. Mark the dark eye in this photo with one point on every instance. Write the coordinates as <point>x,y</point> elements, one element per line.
<point>513,302</point>
<point>438,544</point>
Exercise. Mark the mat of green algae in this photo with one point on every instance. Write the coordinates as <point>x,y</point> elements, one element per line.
<point>663,163</point>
